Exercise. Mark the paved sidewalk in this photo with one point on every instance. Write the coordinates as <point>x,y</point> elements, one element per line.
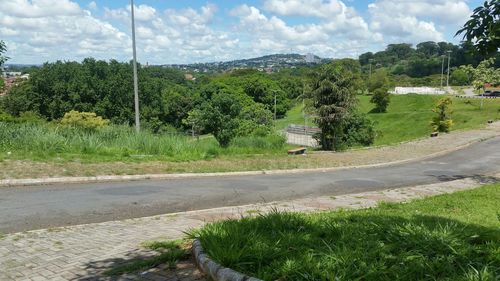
<point>83,252</point>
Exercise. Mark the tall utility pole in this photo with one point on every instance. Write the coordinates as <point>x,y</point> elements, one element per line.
<point>274,107</point>
<point>136,83</point>
<point>370,75</point>
<point>448,78</point>
<point>442,71</point>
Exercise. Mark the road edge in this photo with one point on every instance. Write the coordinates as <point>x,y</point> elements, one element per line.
<point>124,178</point>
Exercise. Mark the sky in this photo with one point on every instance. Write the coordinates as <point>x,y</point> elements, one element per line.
<point>175,31</point>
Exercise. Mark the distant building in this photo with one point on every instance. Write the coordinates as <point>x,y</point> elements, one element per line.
<point>311,58</point>
<point>8,74</point>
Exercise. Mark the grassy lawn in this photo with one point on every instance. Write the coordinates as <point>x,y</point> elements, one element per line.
<point>408,116</point>
<point>447,237</point>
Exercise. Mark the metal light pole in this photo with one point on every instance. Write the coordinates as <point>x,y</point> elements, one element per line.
<point>275,106</point>
<point>442,71</point>
<point>448,78</point>
<point>136,83</point>
<point>370,75</point>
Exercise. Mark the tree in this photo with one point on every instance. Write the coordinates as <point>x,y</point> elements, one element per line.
<point>219,117</point>
<point>378,80</point>
<point>381,98</point>
<point>428,49</point>
<point>459,77</point>
<point>3,49</point>
<point>333,98</point>
<point>483,74</point>
<point>483,28</point>
<point>442,122</point>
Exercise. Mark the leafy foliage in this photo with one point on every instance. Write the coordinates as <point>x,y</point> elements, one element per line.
<point>381,98</point>
<point>483,74</point>
<point>333,97</point>
<point>483,28</point>
<point>442,122</point>
<point>359,130</point>
<point>84,120</point>
<point>3,49</point>
<point>424,60</point>
<point>448,237</point>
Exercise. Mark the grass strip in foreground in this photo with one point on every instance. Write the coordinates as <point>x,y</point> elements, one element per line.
<point>447,237</point>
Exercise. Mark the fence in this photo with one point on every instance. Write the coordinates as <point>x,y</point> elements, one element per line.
<point>301,135</point>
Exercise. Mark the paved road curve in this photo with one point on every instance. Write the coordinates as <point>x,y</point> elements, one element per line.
<point>26,208</point>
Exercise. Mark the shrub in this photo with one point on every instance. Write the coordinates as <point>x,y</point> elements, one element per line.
<point>381,99</point>
<point>85,120</point>
<point>5,117</point>
<point>442,122</point>
<point>358,130</point>
<point>30,117</point>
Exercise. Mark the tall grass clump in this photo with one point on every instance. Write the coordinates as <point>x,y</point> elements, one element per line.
<point>449,237</point>
<point>113,142</point>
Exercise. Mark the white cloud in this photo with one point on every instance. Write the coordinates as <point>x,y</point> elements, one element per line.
<point>40,8</point>
<point>417,20</point>
<point>41,30</point>
<point>177,35</point>
<point>92,5</point>
<point>315,8</point>
<point>271,34</point>
<point>48,30</point>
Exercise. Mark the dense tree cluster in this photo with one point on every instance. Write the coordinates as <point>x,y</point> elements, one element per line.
<point>333,94</point>
<point>243,101</point>
<point>424,59</point>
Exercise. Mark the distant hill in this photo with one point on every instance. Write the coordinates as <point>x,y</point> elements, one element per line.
<point>264,63</point>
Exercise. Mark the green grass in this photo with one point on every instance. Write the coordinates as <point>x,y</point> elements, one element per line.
<point>294,116</point>
<point>408,116</point>
<point>447,237</point>
<point>45,141</point>
<point>170,253</point>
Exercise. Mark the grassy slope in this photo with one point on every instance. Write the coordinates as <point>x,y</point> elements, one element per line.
<point>408,117</point>
<point>448,237</point>
<point>46,141</point>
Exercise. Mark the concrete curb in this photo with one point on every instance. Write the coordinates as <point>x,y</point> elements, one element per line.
<point>98,179</point>
<point>213,270</point>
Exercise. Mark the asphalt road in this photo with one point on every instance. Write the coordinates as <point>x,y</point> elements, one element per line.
<point>27,208</point>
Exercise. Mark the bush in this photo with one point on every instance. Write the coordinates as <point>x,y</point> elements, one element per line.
<point>442,122</point>
<point>5,117</point>
<point>381,98</point>
<point>84,120</point>
<point>30,117</point>
<point>358,130</point>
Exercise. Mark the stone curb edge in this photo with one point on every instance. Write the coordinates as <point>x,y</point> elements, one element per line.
<point>213,270</point>
<point>99,179</point>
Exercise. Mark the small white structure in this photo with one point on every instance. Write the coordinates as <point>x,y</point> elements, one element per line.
<point>310,58</point>
<point>418,90</point>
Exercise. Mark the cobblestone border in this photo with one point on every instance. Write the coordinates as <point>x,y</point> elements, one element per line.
<point>215,271</point>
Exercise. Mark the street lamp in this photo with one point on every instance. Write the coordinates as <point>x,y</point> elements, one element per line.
<point>275,107</point>
<point>442,71</point>
<point>136,83</point>
<point>370,75</point>
<point>448,78</point>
